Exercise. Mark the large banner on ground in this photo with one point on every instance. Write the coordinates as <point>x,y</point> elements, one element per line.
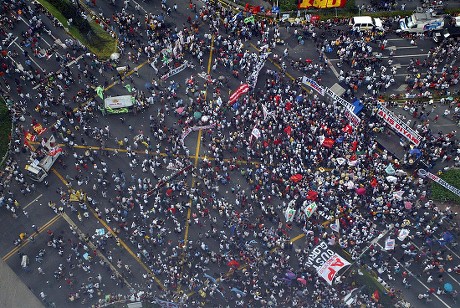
<point>320,4</point>
<point>326,262</point>
<point>396,124</point>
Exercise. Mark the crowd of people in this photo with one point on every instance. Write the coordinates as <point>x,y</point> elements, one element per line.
<point>243,253</point>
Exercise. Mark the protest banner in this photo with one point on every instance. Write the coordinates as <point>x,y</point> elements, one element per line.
<point>398,125</point>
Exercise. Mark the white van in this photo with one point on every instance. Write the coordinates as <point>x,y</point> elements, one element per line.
<point>363,23</point>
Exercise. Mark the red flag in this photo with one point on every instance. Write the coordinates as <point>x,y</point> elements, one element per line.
<point>374,182</point>
<point>288,130</point>
<point>328,143</point>
<point>288,106</point>
<point>29,137</point>
<point>296,178</point>
<point>39,129</point>
<point>54,151</point>
<point>246,7</point>
<point>242,89</point>
<point>348,129</point>
<point>375,296</point>
<point>354,146</point>
<point>255,9</point>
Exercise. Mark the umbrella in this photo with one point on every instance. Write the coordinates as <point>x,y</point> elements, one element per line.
<point>407,205</point>
<point>361,191</point>
<point>197,114</point>
<point>290,275</point>
<point>415,152</point>
<point>180,110</point>
<point>233,263</point>
<point>448,287</point>
<point>115,56</point>
<point>302,281</point>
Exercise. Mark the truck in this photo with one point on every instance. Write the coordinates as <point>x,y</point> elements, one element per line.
<point>118,104</point>
<point>451,30</point>
<point>42,159</point>
<point>421,22</point>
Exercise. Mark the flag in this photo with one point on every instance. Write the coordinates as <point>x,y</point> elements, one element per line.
<point>328,143</point>
<point>310,209</point>
<point>55,151</point>
<point>336,226</point>
<point>100,92</point>
<point>256,132</point>
<point>289,214</point>
<point>129,88</point>
<point>376,296</point>
<point>267,113</point>
<point>288,130</point>
<point>39,129</point>
<point>242,89</point>
<point>403,233</point>
<point>249,19</point>
<point>389,244</point>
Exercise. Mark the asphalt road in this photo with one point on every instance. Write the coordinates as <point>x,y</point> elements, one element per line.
<point>103,258</point>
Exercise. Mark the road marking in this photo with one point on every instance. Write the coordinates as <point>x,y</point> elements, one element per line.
<point>398,56</point>
<point>415,277</point>
<point>30,203</point>
<point>29,57</point>
<point>446,272</point>
<point>115,236</point>
<point>12,42</point>
<point>27,241</point>
<point>406,47</point>
<point>197,157</point>
<point>296,238</point>
<point>81,235</point>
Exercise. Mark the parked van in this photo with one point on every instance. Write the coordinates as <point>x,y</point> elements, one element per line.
<point>363,23</point>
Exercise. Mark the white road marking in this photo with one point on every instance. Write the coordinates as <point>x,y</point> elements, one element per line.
<point>29,57</point>
<point>445,271</point>
<point>12,42</point>
<point>30,203</point>
<point>415,277</point>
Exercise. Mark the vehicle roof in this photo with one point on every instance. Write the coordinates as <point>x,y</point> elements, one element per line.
<point>362,19</point>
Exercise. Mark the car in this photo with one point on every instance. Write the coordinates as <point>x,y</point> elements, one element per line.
<point>363,23</point>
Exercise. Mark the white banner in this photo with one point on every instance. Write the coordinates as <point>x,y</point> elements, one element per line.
<point>395,123</point>
<point>440,181</point>
<point>314,85</point>
<point>331,267</point>
<point>390,244</point>
<point>252,79</point>
<point>188,130</point>
<point>175,71</point>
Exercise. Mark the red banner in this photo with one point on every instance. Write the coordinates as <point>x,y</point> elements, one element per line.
<point>242,89</point>
<point>320,4</point>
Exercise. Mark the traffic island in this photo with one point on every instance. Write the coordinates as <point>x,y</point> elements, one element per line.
<point>90,31</point>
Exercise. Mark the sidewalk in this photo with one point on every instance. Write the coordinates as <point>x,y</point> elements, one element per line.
<point>13,292</point>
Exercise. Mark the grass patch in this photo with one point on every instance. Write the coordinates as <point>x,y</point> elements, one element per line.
<point>5,128</point>
<point>369,280</point>
<point>99,42</point>
<point>440,193</point>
